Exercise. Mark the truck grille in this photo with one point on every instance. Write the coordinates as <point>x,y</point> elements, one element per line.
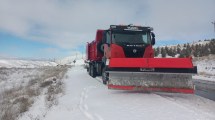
<point>134,51</point>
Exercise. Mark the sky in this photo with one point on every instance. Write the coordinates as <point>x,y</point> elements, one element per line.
<point>61,28</point>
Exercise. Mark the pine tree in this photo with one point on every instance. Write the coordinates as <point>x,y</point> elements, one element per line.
<point>178,49</point>
<point>156,52</point>
<point>185,45</point>
<point>195,52</point>
<point>212,46</point>
<point>163,52</point>
<point>188,50</point>
<point>200,51</point>
<point>183,53</point>
<point>170,51</point>
<point>167,50</point>
<point>174,52</point>
<point>206,51</point>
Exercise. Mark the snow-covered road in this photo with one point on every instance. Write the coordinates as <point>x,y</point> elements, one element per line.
<point>88,99</point>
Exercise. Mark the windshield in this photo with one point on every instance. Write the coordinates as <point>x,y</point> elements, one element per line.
<point>131,37</point>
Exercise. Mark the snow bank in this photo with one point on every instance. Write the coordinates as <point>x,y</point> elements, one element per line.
<point>206,70</point>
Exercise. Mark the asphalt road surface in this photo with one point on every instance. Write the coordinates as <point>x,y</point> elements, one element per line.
<point>205,89</point>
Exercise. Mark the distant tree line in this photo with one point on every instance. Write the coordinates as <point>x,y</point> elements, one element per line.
<point>187,50</point>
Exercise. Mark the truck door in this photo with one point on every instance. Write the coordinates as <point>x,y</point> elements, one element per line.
<point>107,45</point>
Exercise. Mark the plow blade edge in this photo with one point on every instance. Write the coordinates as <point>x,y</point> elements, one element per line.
<point>148,81</point>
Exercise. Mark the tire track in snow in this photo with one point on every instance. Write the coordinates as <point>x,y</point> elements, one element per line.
<point>84,107</point>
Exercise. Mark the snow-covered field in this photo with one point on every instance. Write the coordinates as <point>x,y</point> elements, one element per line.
<point>20,85</point>
<point>13,63</point>
<point>86,98</point>
<point>206,69</point>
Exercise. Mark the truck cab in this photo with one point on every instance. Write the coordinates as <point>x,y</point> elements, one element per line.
<point>128,42</point>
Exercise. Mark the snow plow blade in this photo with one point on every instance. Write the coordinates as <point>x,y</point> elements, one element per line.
<point>153,74</point>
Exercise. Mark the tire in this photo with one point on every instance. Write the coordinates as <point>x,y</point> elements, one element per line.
<point>99,67</point>
<point>88,70</point>
<point>92,71</point>
<point>100,47</point>
<point>104,76</point>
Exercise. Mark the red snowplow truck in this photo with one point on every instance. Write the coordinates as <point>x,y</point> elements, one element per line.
<point>123,55</point>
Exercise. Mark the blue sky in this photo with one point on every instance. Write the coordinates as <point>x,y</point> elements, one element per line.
<point>12,46</point>
<point>16,47</point>
<point>56,29</point>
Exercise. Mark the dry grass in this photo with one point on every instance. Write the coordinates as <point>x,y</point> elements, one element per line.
<point>14,102</point>
<point>46,83</point>
<point>53,92</point>
<point>205,74</point>
<point>209,57</point>
<point>18,100</point>
<point>55,89</point>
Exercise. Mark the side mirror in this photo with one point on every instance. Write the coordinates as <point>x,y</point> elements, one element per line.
<point>153,38</point>
<point>153,41</point>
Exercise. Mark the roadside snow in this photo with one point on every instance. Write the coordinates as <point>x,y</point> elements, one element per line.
<point>37,111</point>
<point>15,77</point>
<point>79,60</point>
<point>10,63</point>
<point>206,66</point>
<point>206,70</point>
<point>87,98</point>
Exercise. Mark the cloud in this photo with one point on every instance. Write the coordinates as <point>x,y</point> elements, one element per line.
<point>182,19</point>
<point>68,24</point>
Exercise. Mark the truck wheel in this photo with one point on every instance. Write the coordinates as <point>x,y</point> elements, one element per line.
<point>104,76</point>
<point>89,70</point>
<point>100,47</point>
<point>92,71</point>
